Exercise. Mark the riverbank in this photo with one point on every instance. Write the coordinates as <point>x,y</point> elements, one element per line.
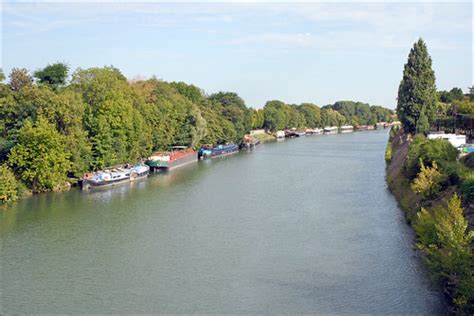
<point>458,294</point>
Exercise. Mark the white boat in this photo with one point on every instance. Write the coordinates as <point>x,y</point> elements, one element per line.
<point>114,175</point>
<point>280,134</point>
<point>331,130</point>
<point>347,129</point>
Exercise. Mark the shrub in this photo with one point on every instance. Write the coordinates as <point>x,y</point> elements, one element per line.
<point>427,151</point>
<point>427,182</point>
<point>393,132</point>
<point>388,153</point>
<point>444,238</point>
<point>467,189</point>
<point>469,160</point>
<point>8,185</point>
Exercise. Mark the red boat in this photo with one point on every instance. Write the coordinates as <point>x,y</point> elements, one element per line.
<point>177,157</point>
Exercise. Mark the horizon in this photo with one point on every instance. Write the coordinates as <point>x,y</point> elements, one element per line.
<point>330,51</point>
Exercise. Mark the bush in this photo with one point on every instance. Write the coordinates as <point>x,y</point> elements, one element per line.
<point>444,238</point>
<point>469,160</point>
<point>427,182</point>
<point>455,172</point>
<point>393,131</point>
<point>8,185</point>
<point>428,151</point>
<point>467,189</point>
<point>388,153</point>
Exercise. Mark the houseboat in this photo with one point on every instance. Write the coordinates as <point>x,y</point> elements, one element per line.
<point>178,156</point>
<point>365,128</point>
<point>209,151</point>
<point>249,142</point>
<point>313,131</point>
<point>280,134</point>
<point>331,130</point>
<point>347,129</point>
<point>114,175</point>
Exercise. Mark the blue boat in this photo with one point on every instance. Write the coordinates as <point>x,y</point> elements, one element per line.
<point>208,151</point>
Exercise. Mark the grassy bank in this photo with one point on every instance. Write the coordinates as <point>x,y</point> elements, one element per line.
<point>427,180</point>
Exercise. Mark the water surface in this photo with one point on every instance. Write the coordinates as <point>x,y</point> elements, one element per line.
<point>299,226</point>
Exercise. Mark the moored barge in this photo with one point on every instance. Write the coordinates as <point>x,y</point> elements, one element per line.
<point>208,151</point>
<point>249,142</point>
<point>112,176</point>
<point>177,157</point>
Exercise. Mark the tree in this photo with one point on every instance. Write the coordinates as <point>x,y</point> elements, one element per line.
<point>417,91</point>
<point>110,117</point>
<point>471,93</point>
<point>428,180</point>
<point>53,75</point>
<point>275,115</point>
<point>40,158</point>
<point>8,185</point>
<point>444,238</point>
<point>311,113</point>
<point>2,75</point>
<point>232,108</point>
<point>19,78</point>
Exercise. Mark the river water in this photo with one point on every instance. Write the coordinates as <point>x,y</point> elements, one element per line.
<point>298,226</point>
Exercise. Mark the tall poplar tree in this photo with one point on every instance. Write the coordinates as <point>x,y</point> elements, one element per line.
<point>416,106</point>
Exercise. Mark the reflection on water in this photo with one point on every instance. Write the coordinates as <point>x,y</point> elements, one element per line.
<point>299,226</point>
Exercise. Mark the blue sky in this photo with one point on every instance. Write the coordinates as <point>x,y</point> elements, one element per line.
<point>306,52</point>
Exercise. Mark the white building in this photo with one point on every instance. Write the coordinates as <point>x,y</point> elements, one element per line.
<point>454,139</point>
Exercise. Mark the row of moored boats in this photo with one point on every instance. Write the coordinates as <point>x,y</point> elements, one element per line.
<point>178,156</point>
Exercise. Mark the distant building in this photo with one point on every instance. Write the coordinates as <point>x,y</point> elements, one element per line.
<point>455,139</point>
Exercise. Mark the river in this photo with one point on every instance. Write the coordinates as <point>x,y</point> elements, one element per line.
<point>297,226</point>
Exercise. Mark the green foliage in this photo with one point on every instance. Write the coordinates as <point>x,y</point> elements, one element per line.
<point>54,75</point>
<point>450,96</point>
<point>330,117</point>
<point>463,107</point>
<point>467,189</point>
<point>311,114</point>
<point>445,241</point>
<point>427,151</point>
<point>428,180</point>
<point>417,96</point>
<point>388,153</point>
<point>468,160</point>
<point>110,116</point>
<point>275,115</point>
<point>40,158</point>
<point>258,119</point>
<point>233,109</point>
<point>8,185</point>
<point>171,117</point>
<point>393,132</point>
<point>358,113</point>
<point>19,78</point>
<point>2,75</point>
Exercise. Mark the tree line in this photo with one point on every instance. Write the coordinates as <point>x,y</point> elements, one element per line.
<point>52,128</point>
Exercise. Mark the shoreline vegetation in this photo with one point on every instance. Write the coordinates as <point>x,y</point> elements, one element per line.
<point>432,181</point>
<point>55,127</point>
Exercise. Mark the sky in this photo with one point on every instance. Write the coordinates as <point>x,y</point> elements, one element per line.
<point>294,52</point>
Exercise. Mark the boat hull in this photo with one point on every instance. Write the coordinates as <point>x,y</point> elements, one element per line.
<point>160,164</point>
<point>217,152</point>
